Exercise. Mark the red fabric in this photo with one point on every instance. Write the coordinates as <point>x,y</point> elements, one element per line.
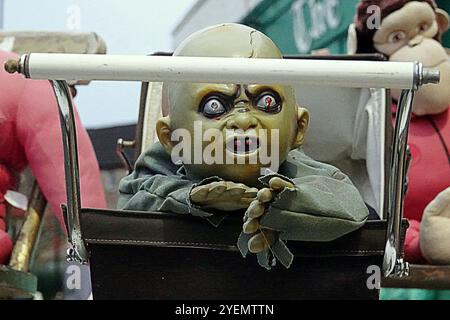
<point>428,175</point>
<point>30,135</point>
<point>6,182</point>
<point>413,254</point>
<point>5,247</point>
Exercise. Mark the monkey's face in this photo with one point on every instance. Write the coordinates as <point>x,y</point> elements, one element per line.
<point>409,34</point>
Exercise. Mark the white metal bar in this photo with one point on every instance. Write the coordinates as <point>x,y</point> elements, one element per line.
<point>355,74</point>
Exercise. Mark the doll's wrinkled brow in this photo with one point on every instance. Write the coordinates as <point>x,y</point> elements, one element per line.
<point>251,91</point>
<point>217,88</point>
<point>254,91</point>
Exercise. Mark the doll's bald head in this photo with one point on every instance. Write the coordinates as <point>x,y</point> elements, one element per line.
<point>223,41</point>
<point>228,40</point>
<point>232,107</point>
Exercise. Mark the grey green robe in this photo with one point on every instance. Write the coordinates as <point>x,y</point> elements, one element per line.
<point>324,205</point>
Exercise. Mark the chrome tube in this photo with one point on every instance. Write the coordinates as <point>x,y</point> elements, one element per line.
<point>78,250</point>
<point>91,67</point>
<point>393,263</point>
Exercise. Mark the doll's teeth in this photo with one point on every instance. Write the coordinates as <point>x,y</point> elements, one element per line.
<point>242,145</point>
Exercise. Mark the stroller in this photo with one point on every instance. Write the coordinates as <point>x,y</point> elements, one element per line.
<point>136,255</point>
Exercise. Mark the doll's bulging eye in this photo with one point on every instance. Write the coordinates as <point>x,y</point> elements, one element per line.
<point>213,108</point>
<point>268,103</point>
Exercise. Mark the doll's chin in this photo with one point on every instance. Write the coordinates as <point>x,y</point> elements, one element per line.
<point>240,172</point>
<point>245,173</point>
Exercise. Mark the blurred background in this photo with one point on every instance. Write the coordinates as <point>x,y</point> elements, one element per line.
<point>110,110</point>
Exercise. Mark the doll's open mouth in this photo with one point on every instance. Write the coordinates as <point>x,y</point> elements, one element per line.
<point>243,144</point>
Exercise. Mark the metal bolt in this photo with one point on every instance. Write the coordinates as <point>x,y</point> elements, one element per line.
<point>12,66</point>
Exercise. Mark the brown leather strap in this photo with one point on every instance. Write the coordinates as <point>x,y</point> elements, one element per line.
<point>114,227</point>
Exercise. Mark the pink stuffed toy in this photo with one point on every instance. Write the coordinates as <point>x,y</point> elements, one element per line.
<point>30,135</point>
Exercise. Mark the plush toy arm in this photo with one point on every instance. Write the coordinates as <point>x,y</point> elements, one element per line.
<point>223,195</point>
<point>6,182</point>
<point>413,254</point>
<point>39,133</point>
<point>435,229</point>
<point>156,185</point>
<point>158,193</point>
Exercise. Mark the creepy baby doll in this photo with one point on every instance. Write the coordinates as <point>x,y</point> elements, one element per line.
<point>212,157</point>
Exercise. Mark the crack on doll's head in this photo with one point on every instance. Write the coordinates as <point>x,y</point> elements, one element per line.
<point>252,126</point>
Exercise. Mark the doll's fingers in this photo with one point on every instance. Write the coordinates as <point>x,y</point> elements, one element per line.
<point>246,201</point>
<point>217,184</point>
<point>251,226</point>
<point>265,195</point>
<point>257,244</point>
<point>279,184</point>
<point>199,194</point>
<point>236,189</point>
<point>262,241</point>
<point>216,189</point>
<point>270,236</point>
<point>250,193</point>
<point>255,210</point>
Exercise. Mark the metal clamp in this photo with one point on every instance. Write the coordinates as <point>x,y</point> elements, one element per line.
<point>120,150</point>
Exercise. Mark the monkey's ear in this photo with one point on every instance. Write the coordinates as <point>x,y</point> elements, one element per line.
<point>302,126</point>
<point>352,39</point>
<point>443,20</point>
<point>164,133</point>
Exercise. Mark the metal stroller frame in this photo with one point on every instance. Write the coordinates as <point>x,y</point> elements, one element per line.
<point>59,68</point>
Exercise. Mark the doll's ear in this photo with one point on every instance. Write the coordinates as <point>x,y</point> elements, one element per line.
<point>352,40</point>
<point>164,133</point>
<point>443,20</point>
<point>302,126</point>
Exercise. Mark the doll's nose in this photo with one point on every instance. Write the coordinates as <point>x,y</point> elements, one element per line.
<point>242,120</point>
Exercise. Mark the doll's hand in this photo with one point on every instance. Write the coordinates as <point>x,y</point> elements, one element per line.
<point>223,195</point>
<point>435,229</point>
<point>264,238</point>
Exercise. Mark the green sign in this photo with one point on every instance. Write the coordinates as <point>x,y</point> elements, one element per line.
<point>300,26</point>
<point>445,4</point>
